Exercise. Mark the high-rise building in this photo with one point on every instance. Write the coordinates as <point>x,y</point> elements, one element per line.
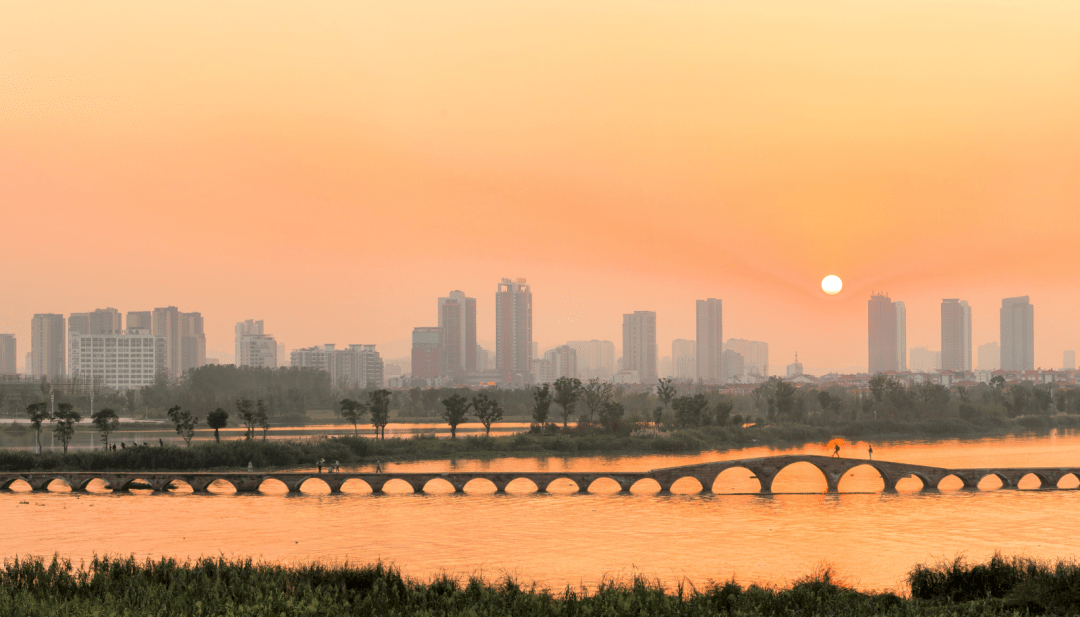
<point>166,323</point>
<point>733,365</point>
<point>925,360</point>
<point>955,335</point>
<point>483,360</point>
<point>639,345</point>
<point>1068,360</point>
<point>140,320</point>
<point>563,361</point>
<point>595,359</point>
<point>755,357</point>
<point>887,330</point>
<point>101,321</point>
<point>253,346</point>
<point>193,342</point>
<point>989,357</point>
<point>7,354</point>
<point>710,340</point>
<point>317,357</point>
<point>1017,334</point>
<point>901,335</point>
<point>513,331</point>
<point>47,346</point>
<point>359,366</point>
<point>684,358</point>
<point>426,350</point>
<point>457,319</point>
<point>119,361</point>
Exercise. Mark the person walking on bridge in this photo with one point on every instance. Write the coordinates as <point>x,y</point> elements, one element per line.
<point>320,463</point>
<point>378,467</point>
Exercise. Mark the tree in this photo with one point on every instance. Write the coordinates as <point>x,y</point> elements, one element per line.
<point>38,412</point>
<point>185,423</point>
<point>106,422</point>
<point>262,418</point>
<point>690,410</point>
<point>217,419</point>
<point>487,410</point>
<point>665,391</point>
<point>379,404</point>
<point>611,413</point>
<point>785,396</point>
<point>246,409</point>
<point>596,395</point>
<point>723,411</point>
<point>66,417</point>
<point>457,407</point>
<point>567,390</point>
<point>353,411</point>
<point>542,405</point>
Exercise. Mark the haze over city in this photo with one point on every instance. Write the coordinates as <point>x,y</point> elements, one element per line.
<point>620,157</point>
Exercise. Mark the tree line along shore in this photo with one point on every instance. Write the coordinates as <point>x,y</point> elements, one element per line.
<point>218,586</point>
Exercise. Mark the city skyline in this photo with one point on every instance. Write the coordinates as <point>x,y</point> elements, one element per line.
<point>108,320</point>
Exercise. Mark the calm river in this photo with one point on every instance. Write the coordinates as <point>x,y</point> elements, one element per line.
<point>870,538</point>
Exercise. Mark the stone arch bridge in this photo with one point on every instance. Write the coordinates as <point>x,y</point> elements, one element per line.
<point>764,469</point>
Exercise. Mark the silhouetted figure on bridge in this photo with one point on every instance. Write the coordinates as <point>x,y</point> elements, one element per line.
<point>162,441</point>
<point>870,450</point>
<point>378,467</point>
<point>836,451</point>
<point>320,464</point>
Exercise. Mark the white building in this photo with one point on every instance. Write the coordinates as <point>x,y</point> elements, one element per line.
<point>253,346</point>
<point>684,360</point>
<point>359,366</point>
<point>755,355</point>
<point>119,361</point>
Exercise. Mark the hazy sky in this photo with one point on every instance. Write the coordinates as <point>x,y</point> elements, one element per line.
<point>334,167</point>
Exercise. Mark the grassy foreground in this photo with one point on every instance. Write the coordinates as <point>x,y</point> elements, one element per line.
<point>118,586</point>
<point>350,450</point>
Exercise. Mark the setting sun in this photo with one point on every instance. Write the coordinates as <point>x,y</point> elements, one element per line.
<point>832,284</point>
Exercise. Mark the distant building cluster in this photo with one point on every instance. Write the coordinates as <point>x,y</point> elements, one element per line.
<point>96,348</point>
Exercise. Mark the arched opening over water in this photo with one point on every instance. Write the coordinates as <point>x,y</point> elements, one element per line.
<point>645,486</point>
<point>992,482</point>
<point>735,480</point>
<point>913,483</point>
<point>863,478</point>
<point>439,486</point>
<point>136,485</point>
<point>604,486</point>
<point>522,486</point>
<point>1033,481</point>
<point>356,486</point>
<point>801,477</point>
<point>563,485</point>
<point>480,486</point>
<point>177,486</point>
<point>951,482</point>
<point>397,486</point>
<point>221,486</point>
<point>686,485</point>
<point>1069,480</point>
<point>273,486</point>
<point>17,485</point>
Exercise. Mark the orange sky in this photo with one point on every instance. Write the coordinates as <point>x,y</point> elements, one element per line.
<point>334,167</point>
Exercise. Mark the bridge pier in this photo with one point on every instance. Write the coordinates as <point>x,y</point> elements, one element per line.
<point>832,482</point>
<point>765,479</point>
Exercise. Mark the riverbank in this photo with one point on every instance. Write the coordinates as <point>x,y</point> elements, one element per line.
<point>118,586</point>
<point>349,450</point>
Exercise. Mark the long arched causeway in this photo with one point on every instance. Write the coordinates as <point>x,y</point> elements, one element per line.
<point>765,469</point>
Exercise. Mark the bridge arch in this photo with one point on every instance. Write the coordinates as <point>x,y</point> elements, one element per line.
<point>1002,478</point>
<point>178,485</point>
<point>1042,479</point>
<point>1070,480</point>
<point>397,485</point>
<point>734,480</point>
<point>441,486</point>
<point>356,485</point>
<point>857,479</point>
<point>650,486</point>
<point>605,479</point>
<point>517,484</point>
<point>272,485</point>
<point>480,485</point>
<point>953,482</point>
<point>220,486</point>
<point>799,477</point>
<point>577,486</point>
<point>142,484</point>
<point>688,485</point>
<point>9,483</point>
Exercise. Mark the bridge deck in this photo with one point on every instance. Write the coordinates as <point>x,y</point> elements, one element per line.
<point>765,469</point>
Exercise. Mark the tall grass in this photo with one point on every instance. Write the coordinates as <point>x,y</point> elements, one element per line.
<point>218,586</point>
